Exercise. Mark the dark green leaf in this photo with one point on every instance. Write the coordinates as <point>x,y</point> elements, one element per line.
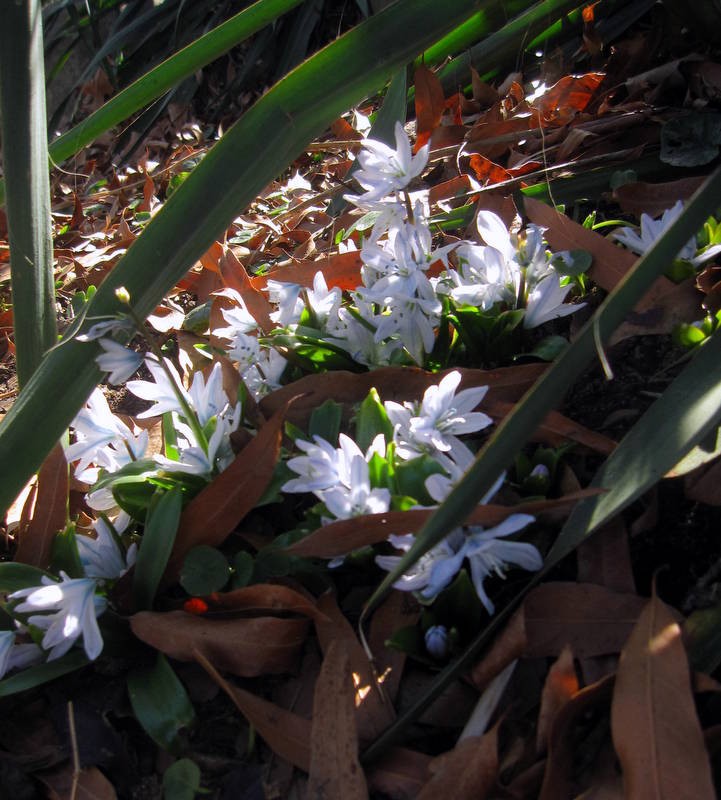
<point>181,780</point>
<point>160,703</point>
<point>205,570</point>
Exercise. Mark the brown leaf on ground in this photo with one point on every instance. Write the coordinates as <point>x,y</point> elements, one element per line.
<point>591,619</point>
<point>91,784</point>
<point>430,104</point>
<point>288,735</point>
<point>394,383</point>
<point>560,686</point>
<point>654,198</point>
<point>374,712</point>
<point>335,770</point>
<point>400,773</point>
<point>211,516</point>
<point>245,646</point>
<point>655,729</point>
<point>49,516</point>
<point>340,269</point>
<point>605,559</point>
<point>563,741</point>
<point>265,598</point>
<point>557,429</point>
<point>257,303</point>
<point>703,485</point>
<point>398,610</point>
<point>568,97</point>
<point>341,537</point>
<point>468,772</point>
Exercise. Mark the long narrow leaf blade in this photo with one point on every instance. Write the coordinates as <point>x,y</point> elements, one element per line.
<point>252,153</point>
<point>25,158</point>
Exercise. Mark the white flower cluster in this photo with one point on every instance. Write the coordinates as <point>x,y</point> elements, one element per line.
<point>340,478</point>
<point>395,313</point>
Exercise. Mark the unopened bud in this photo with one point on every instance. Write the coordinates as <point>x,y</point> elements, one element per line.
<point>436,639</point>
<point>123,295</point>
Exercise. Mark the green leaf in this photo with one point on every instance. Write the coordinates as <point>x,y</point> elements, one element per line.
<point>65,553</point>
<point>205,570</point>
<point>243,565</point>
<point>254,151</point>
<point>15,576</point>
<point>702,635</point>
<point>160,703</point>
<point>325,421</point>
<point>371,420</point>
<point>181,780</point>
<point>25,160</point>
<point>161,526</point>
<point>43,673</point>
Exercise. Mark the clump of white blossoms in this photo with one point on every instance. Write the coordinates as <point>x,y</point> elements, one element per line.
<point>424,433</point>
<point>651,230</point>
<point>396,314</point>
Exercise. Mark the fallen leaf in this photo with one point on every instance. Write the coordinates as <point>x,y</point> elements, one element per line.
<point>468,772</point>
<point>335,770</point>
<point>563,741</point>
<point>400,773</point>
<point>49,516</point>
<point>340,269</point>
<point>374,712</point>
<point>655,729</point>
<point>398,610</point>
<point>235,277</point>
<point>654,198</point>
<point>212,515</point>
<point>560,686</point>
<point>568,97</point>
<point>605,559</point>
<point>91,784</point>
<point>393,383</point>
<point>244,646</point>
<point>430,104</point>
<point>287,734</point>
<point>265,598</point>
<point>342,537</point>
<point>591,619</point>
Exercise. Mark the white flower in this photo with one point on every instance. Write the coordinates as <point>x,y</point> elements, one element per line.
<point>118,361</point>
<point>358,498</point>
<point>545,302</point>
<point>411,319</point>
<point>433,426</point>
<point>485,553</point>
<point>208,399</point>
<point>239,319</point>
<point>16,656</point>
<point>484,277</point>
<point>102,439</point>
<point>163,391</point>
<point>287,297</point>
<point>123,324</point>
<point>102,556</point>
<point>384,170</point>
<point>324,302</point>
<point>76,608</point>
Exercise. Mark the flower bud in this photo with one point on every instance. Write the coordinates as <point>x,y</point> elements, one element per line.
<point>123,295</point>
<point>436,639</point>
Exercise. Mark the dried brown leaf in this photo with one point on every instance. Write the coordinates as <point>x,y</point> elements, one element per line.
<point>654,198</point>
<point>394,383</point>
<point>398,610</point>
<point>287,734</point>
<point>269,598</point>
<point>245,646</point>
<point>91,784</point>
<point>374,712</point>
<point>430,104</point>
<point>343,536</point>
<point>400,773</point>
<point>560,686</point>
<point>335,770</point>
<point>563,741</point>
<point>468,772</point>
<point>604,558</point>
<point>656,732</point>
<point>49,516</point>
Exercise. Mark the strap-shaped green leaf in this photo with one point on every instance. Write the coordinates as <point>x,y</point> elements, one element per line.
<point>254,151</point>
